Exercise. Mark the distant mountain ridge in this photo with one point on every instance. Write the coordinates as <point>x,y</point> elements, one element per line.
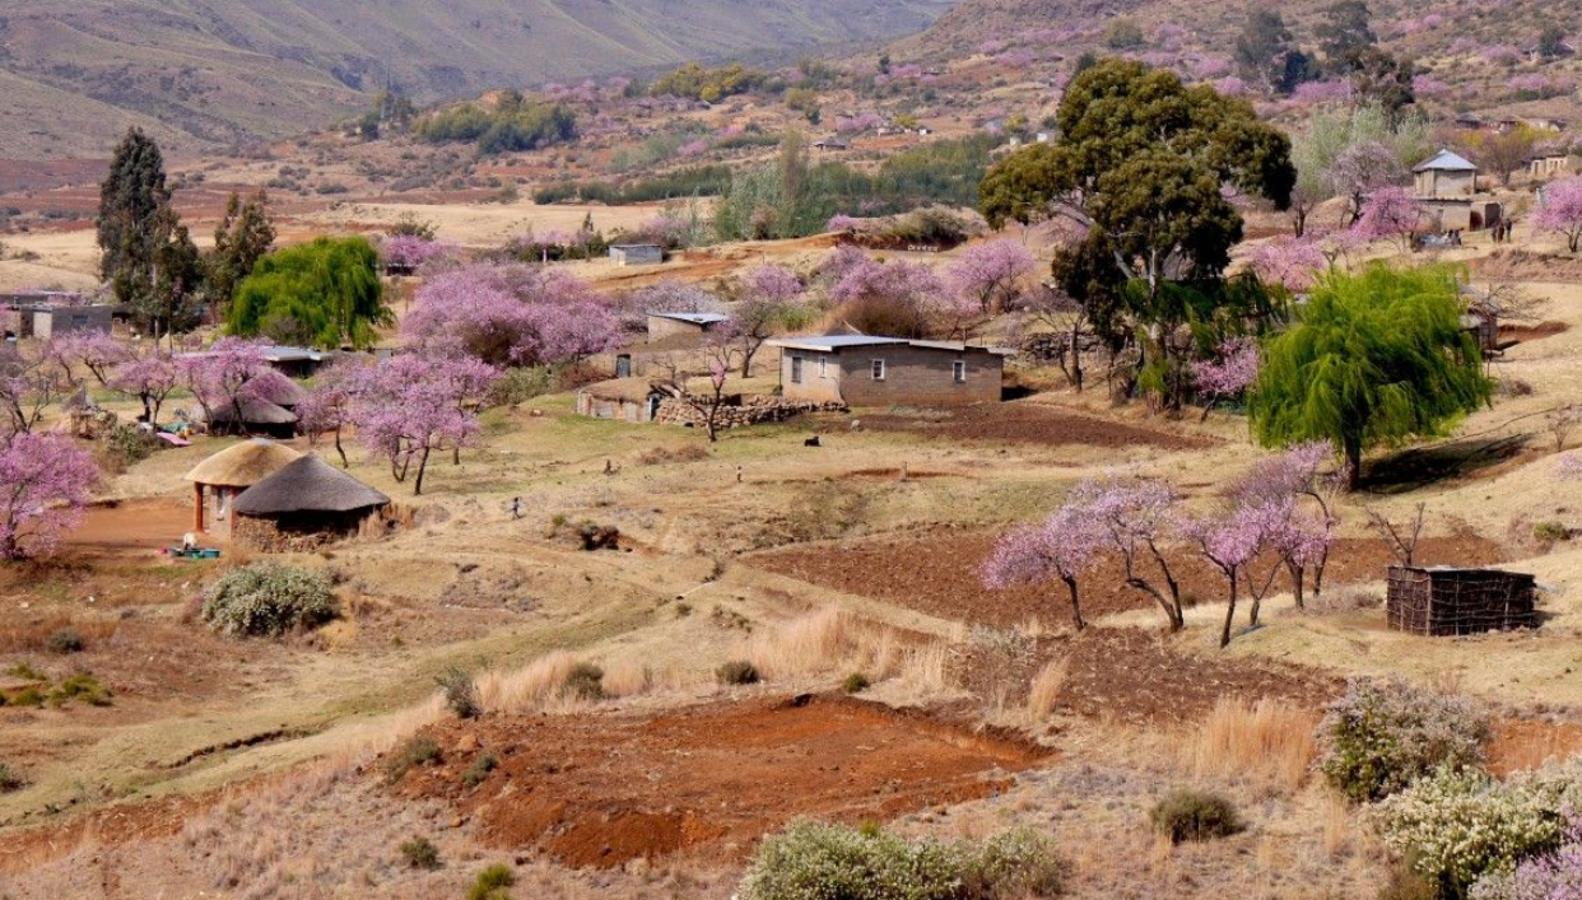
<point>202,72</point>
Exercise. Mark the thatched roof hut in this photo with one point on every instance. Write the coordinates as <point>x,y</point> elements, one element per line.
<point>231,471</point>
<point>305,504</point>
<point>308,485</point>
<point>283,392</point>
<point>258,417</point>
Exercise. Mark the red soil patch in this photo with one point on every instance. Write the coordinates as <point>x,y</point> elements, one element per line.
<point>132,527</point>
<point>1522,744</point>
<point>1031,423</point>
<point>599,790</point>
<point>937,572</point>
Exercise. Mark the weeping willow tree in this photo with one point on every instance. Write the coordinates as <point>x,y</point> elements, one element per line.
<point>1375,358</point>
<point>325,294</point>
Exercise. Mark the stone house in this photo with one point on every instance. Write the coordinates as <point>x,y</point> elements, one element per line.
<point>1446,190</point>
<point>663,325</point>
<point>862,370</point>
<point>637,254</point>
<point>45,315</point>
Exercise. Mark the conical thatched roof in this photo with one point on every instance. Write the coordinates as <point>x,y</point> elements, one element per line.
<point>307,484</point>
<point>254,412</point>
<point>283,392</point>
<point>245,464</point>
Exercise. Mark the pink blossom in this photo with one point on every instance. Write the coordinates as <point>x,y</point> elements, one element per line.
<point>1062,547</point>
<point>45,481</point>
<point>858,123</point>
<point>1292,263</point>
<point>1338,91</point>
<point>1501,54</point>
<point>230,374</point>
<point>1231,373</point>
<point>1560,210</point>
<point>987,274</point>
<point>1389,213</point>
<point>1014,59</point>
<point>991,47</point>
<point>407,407</point>
<point>511,315</point>
<point>409,251</point>
<point>1231,86</point>
<point>693,148</point>
<point>95,351</point>
<point>1462,46</point>
<point>150,377</point>
<point>1429,86</point>
<point>843,223</point>
<point>1210,68</point>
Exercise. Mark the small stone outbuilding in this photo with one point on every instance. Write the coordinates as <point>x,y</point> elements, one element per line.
<point>672,325</point>
<point>302,506</point>
<point>637,254</point>
<point>218,480</point>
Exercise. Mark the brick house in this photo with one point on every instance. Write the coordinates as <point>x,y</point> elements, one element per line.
<point>1446,189</point>
<point>862,370</point>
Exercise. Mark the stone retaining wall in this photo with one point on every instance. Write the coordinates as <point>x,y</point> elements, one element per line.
<point>752,410</point>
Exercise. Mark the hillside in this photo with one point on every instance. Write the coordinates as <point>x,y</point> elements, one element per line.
<point>202,72</point>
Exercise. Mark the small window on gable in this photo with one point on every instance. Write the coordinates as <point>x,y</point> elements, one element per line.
<point>878,370</point>
<point>796,370</point>
<point>958,371</point>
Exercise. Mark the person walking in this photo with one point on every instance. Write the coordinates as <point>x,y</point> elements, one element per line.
<point>516,507</point>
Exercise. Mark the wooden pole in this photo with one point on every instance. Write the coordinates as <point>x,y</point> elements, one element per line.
<point>197,508</point>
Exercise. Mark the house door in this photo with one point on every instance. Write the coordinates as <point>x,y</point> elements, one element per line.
<point>623,366</point>
<point>653,406</point>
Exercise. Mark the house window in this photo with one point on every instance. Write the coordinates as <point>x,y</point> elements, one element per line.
<point>878,370</point>
<point>958,371</point>
<point>796,370</point>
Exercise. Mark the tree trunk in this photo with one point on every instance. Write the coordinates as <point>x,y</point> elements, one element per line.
<point>1076,355</point>
<point>339,449</point>
<point>1230,611</point>
<point>749,350</point>
<point>1172,615</point>
<point>1298,581</point>
<point>1076,603</point>
<point>422,466</point>
<point>1354,460</point>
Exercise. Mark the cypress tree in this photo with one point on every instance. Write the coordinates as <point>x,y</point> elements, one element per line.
<point>129,201</point>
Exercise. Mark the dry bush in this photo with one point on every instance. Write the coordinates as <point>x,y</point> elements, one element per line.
<point>19,634</point>
<point>625,678</point>
<point>529,688</point>
<point>823,641</point>
<point>925,669</point>
<point>1270,743</point>
<point>685,453</point>
<point>1344,599</point>
<point>1045,691</point>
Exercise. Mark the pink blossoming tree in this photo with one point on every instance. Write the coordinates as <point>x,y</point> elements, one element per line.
<point>511,315</point>
<point>45,480</point>
<point>769,300</point>
<point>150,377</point>
<point>1228,375</point>
<point>1064,547</point>
<point>990,274</point>
<point>1560,211</point>
<point>408,407</point>
<point>230,374</point>
<point>1390,213</point>
<point>1135,517</point>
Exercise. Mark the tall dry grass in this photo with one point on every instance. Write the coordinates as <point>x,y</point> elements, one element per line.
<point>1269,743</point>
<point>1046,687</point>
<point>825,641</point>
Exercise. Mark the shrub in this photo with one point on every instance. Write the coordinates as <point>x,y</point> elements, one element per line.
<point>1014,864</point>
<point>9,779</point>
<point>67,640</point>
<point>1455,826</point>
<point>126,445</point>
<point>492,883</point>
<point>856,683</point>
<point>415,752</point>
<point>420,853</point>
<point>1403,883</point>
<point>1195,816</point>
<point>585,681</point>
<point>460,691</point>
<point>81,687</point>
<point>28,696</point>
<point>814,861</point>
<point>479,770</point>
<point>266,599</point>
<point>1550,532</point>
<point>737,672</point>
<point>520,385</point>
<point>1383,735</point>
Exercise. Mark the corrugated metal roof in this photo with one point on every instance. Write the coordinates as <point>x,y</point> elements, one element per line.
<point>830,343</point>
<point>695,318</point>
<point>1446,161</point>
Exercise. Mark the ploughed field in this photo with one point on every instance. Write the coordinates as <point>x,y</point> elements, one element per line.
<point>601,789</point>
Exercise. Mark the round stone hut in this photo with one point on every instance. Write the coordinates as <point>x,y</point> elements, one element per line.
<point>304,505</point>
<point>218,480</point>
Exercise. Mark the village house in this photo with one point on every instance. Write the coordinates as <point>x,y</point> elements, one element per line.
<point>1446,189</point>
<point>861,370</point>
<point>301,506</point>
<point>1550,164</point>
<point>637,254</point>
<point>45,314</point>
<point>835,144</point>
